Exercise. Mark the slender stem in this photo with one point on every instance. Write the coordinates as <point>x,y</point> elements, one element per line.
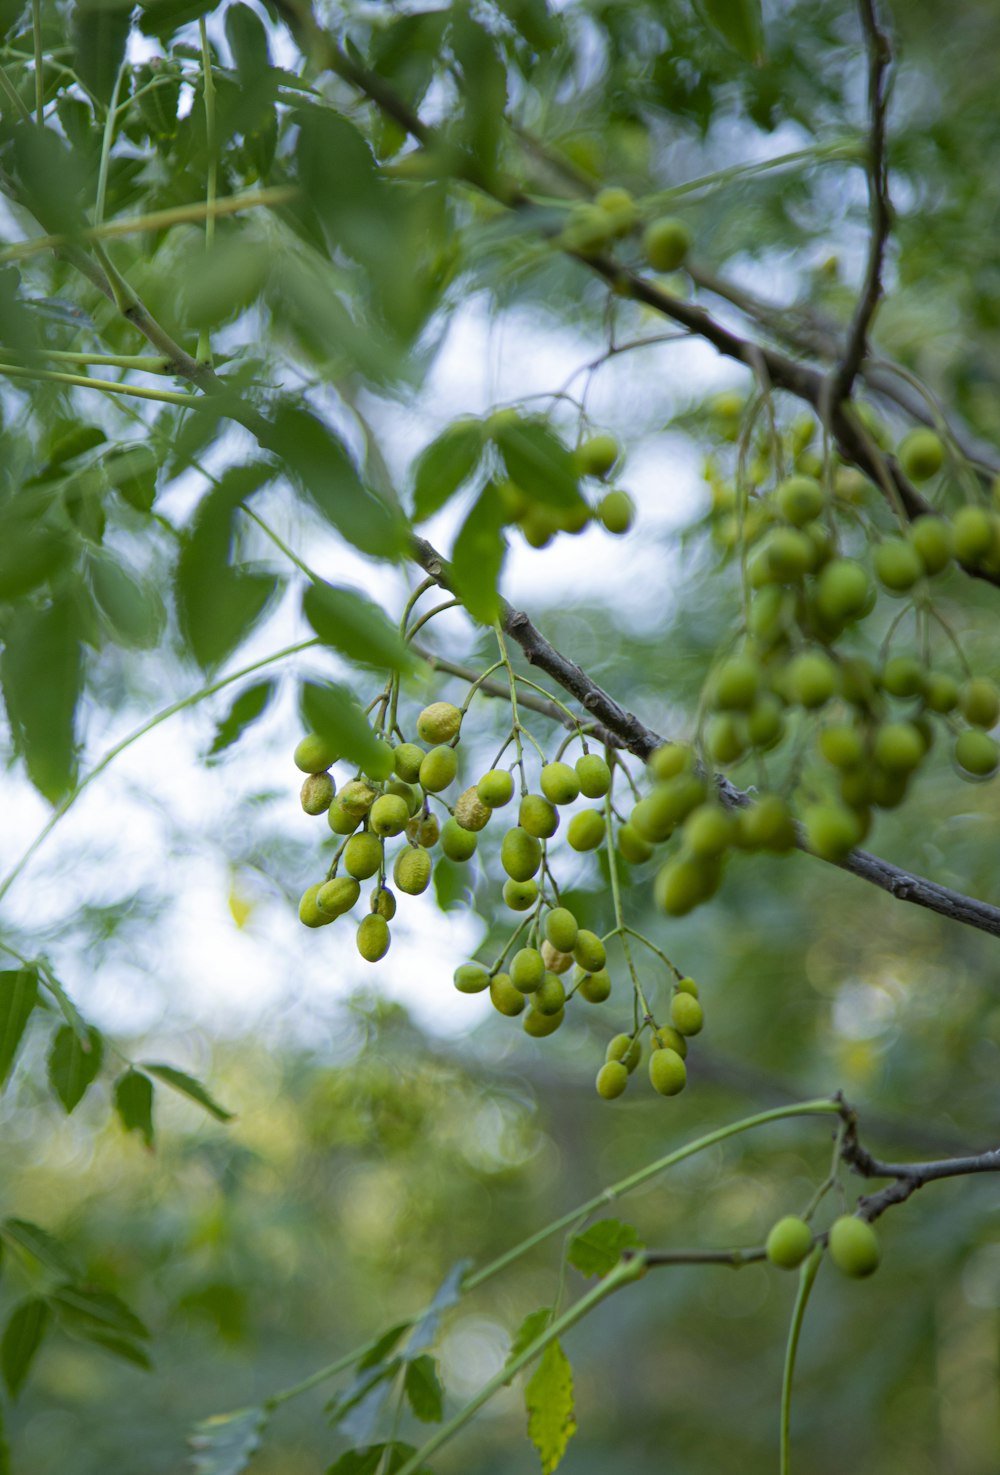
<point>516,727</point>
<point>620,926</point>
<point>533,686</point>
<point>279,542</point>
<point>36,30</point>
<point>14,97</point>
<point>83,381</point>
<point>204,338</point>
<point>807,1276</point>
<point>107,140</point>
<point>126,742</point>
<point>437,610</point>
<point>146,363</point>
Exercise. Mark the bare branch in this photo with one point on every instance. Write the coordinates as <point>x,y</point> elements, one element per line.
<point>907,1177</point>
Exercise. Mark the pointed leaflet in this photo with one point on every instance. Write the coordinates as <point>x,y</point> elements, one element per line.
<point>247,707</point>
<point>385,1344</point>
<point>548,1397</point>
<point>188,1086</point>
<point>134,1103</point>
<point>332,712</point>
<point>356,627</point>
<point>225,1444</point>
<point>18,996</point>
<point>448,1294</point>
<point>42,713</point>
<point>477,557</point>
<point>5,1465</point>
<point>134,611</point>
<point>377,1459</point>
<point>218,605</point>
<point>22,1338</point>
<point>100,32</point>
<point>739,23</point>
<point>531,1327</point>
<point>71,1067</point>
<point>38,1242</point>
<point>424,1390</point>
<point>360,1413</point>
<point>538,462</point>
<point>445,465</point>
<point>484,88</point>
<point>99,1310</point>
<point>599,1248</point>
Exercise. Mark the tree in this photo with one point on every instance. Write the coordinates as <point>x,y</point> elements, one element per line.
<point>283,215</point>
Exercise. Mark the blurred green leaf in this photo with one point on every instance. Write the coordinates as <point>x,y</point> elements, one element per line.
<point>484,94</point>
<point>22,1337</point>
<point>548,1396</point>
<point>599,1248</point>
<point>100,32</point>
<point>478,555</point>
<point>357,628</point>
<point>71,1067</point>
<point>531,1327</point>
<point>134,1103</point>
<point>39,1243</point>
<point>163,18</point>
<point>538,462</point>
<point>43,713</point>
<point>333,712</point>
<point>133,610</point>
<point>225,1444</point>
<point>445,465</point>
<point>424,1391</point>
<point>18,997</point>
<point>188,1086</point>
<point>85,1306</point>
<point>250,705</point>
<point>739,23</point>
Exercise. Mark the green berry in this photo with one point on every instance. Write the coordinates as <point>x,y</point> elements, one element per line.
<point>977,753</point>
<point>683,884</point>
<point>457,843</point>
<point>586,830</point>
<point>669,761</point>
<point>843,746</point>
<point>412,871</point>
<point>624,1048</point>
<point>686,986</point>
<point>789,1242</point>
<point>899,747</point>
<point>843,591</point>
<point>708,831</point>
<point>316,794</point>
<point>832,831</point>
<point>559,783</point>
<point>378,765</point>
<point>362,856</point>
<point>633,847</point>
<point>686,1014</point>
<point>898,565</point>
<point>931,537</point>
<point>314,754</point>
<point>424,830</point>
<point>786,555</point>
<point>561,929</point>
<point>389,815</point>
<point>666,242</point>
<point>588,951</point>
<point>550,996</point>
<point>406,761</point>
<point>340,822</point>
<point>496,788</point>
<point>383,902</point>
<point>538,817</point>
<point>811,680</point>
<point>439,723</point>
<point>668,1038</point>
<point>310,913</point>
<point>978,702</point>
<point>593,776</point>
<point>438,769</point>
<point>921,454</point>
<point>597,456</point>
<point>620,206</point>
<point>338,896</point>
<point>505,998</point>
<point>470,811</point>
<point>973,533</point>
<point>941,692</point>
<point>800,499</point>
<point>616,511</point>
<point>735,685</point>
<point>520,895</point>
<point>471,978</point>
<point>587,231</point>
<point>520,854</point>
<point>903,676</point>
<point>527,970</point>
<point>854,1246</point>
<point>612,1078</point>
<point>537,1024</point>
<point>356,798</point>
<point>767,825</point>
<point>407,792</point>
<point>373,938</point>
<point>596,987</point>
<point>726,738</point>
<point>667,1072</point>
<point>765,722</point>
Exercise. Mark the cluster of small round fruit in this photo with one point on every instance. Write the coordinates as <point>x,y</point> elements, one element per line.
<point>598,458</point>
<point>853,1244</point>
<point>594,226</point>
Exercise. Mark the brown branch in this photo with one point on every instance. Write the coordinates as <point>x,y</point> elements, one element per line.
<point>879,51</point>
<point>907,1177</point>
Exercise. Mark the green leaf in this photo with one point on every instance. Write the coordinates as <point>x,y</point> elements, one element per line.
<point>539,463</point>
<point>219,605</point>
<point>5,1465</point>
<point>18,997</point>
<point>739,23</point>
<point>448,1294</point>
<point>43,713</point>
<point>131,470</point>
<point>121,1347</point>
<point>531,1327</point>
<point>548,1397</point>
<point>248,42</point>
<point>134,611</point>
<point>251,704</point>
<point>22,1338</point>
<point>226,1443</point>
<point>40,1244</point>
<point>71,1067</point>
<point>324,471</point>
<point>69,439</point>
<point>188,1086</point>
<point>134,1103</point>
<point>599,1248</point>
<point>484,87</point>
<point>162,18</point>
<point>332,712</point>
<point>424,1391</point>
<point>384,1346</point>
<point>478,555</point>
<point>35,542</point>
<point>83,1306</point>
<point>444,465</point>
<point>358,1408</point>
<point>356,627</point>
<point>100,33</point>
<point>376,1458</point>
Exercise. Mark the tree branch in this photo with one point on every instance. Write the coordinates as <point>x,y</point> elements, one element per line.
<point>907,1177</point>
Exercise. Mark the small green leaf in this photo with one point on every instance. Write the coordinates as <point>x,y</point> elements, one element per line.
<point>5,1465</point>
<point>385,1344</point>
<point>739,23</point>
<point>357,628</point>
<point>251,704</point>
<point>477,557</point>
<point>225,1444</point>
<point>39,1243</point>
<point>121,1347</point>
<point>539,463</point>
<point>131,469</point>
<point>448,1294</point>
<point>43,713</point>
<point>445,465</point>
<point>531,1327</point>
<point>599,1248</point>
<point>134,1103</point>
<point>134,611</point>
<point>162,18</point>
<point>548,1397</point>
<point>424,1391</point>
<point>72,1067</point>
<point>100,33</point>
<point>188,1086</point>
<point>82,1306</point>
<point>333,712</point>
<point>22,1338</point>
<point>18,997</point>
<point>376,1459</point>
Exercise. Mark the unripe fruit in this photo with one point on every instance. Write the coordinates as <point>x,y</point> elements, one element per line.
<point>843,590</point>
<point>903,676</point>
<point>587,231</point>
<point>504,997</point>
<point>438,768</point>
<point>314,754</point>
<point>316,794</point>
<point>379,765</point>
<point>854,1246</point>
<point>496,788</point>
<point>686,1014</point>
<point>596,987</point>
<point>831,830</point>
<point>554,960</point>
<point>632,846</point>
<point>735,684</point>
<point>520,854</point>
<point>800,499</point>
<point>624,1048</point>
<point>612,1078</point>
<point>978,702</point>
<point>389,815</point>
<point>412,871</point>
<point>921,454</point>
<point>588,951</point>
<point>373,938</point>
<point>538,1025</point>
<point>424,830</point>
<point>550,996</point>
<point>771,612</point>
<point>593,776</point>
<point>407,792</point>
<point>338,896</point>
<point>899,747</point>
<point>362,856</point>
<point>616,511</point>
<point>767,825</point>
<point>726,739</point>
<point>666,242</point>
<point>586,831</point>
<point>977,752</point>
<point>972,533</point>
<point>811,680</point>
<point>669,761</point>
<point>309,911</point>
<point>897,565</point>
<point>940,692</point>
<point>931,537</point>
<point>682,884</point>
<point>559,783</point>
<point>527,970</point>
<point>789,1242</point>
<point>765,722</point>
<point>471,978</point>
<point>619,205</point>
<point>561,929</point>
<point>406,760</point>
<point>457,844</point>
<point>596,456</point>
<point>786,555</point>
<point>439,723</point>
<point>520,895</point>
<point>470,811</point>
<point>537,816</point>
<point>668,1038</point>
<point>667,1072</point>
<point>340,822</point>
<point>356,798</point>
<point>383,902</point>
<point>686,986</point>
<point>708,831</point>
<point>842,746</point>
